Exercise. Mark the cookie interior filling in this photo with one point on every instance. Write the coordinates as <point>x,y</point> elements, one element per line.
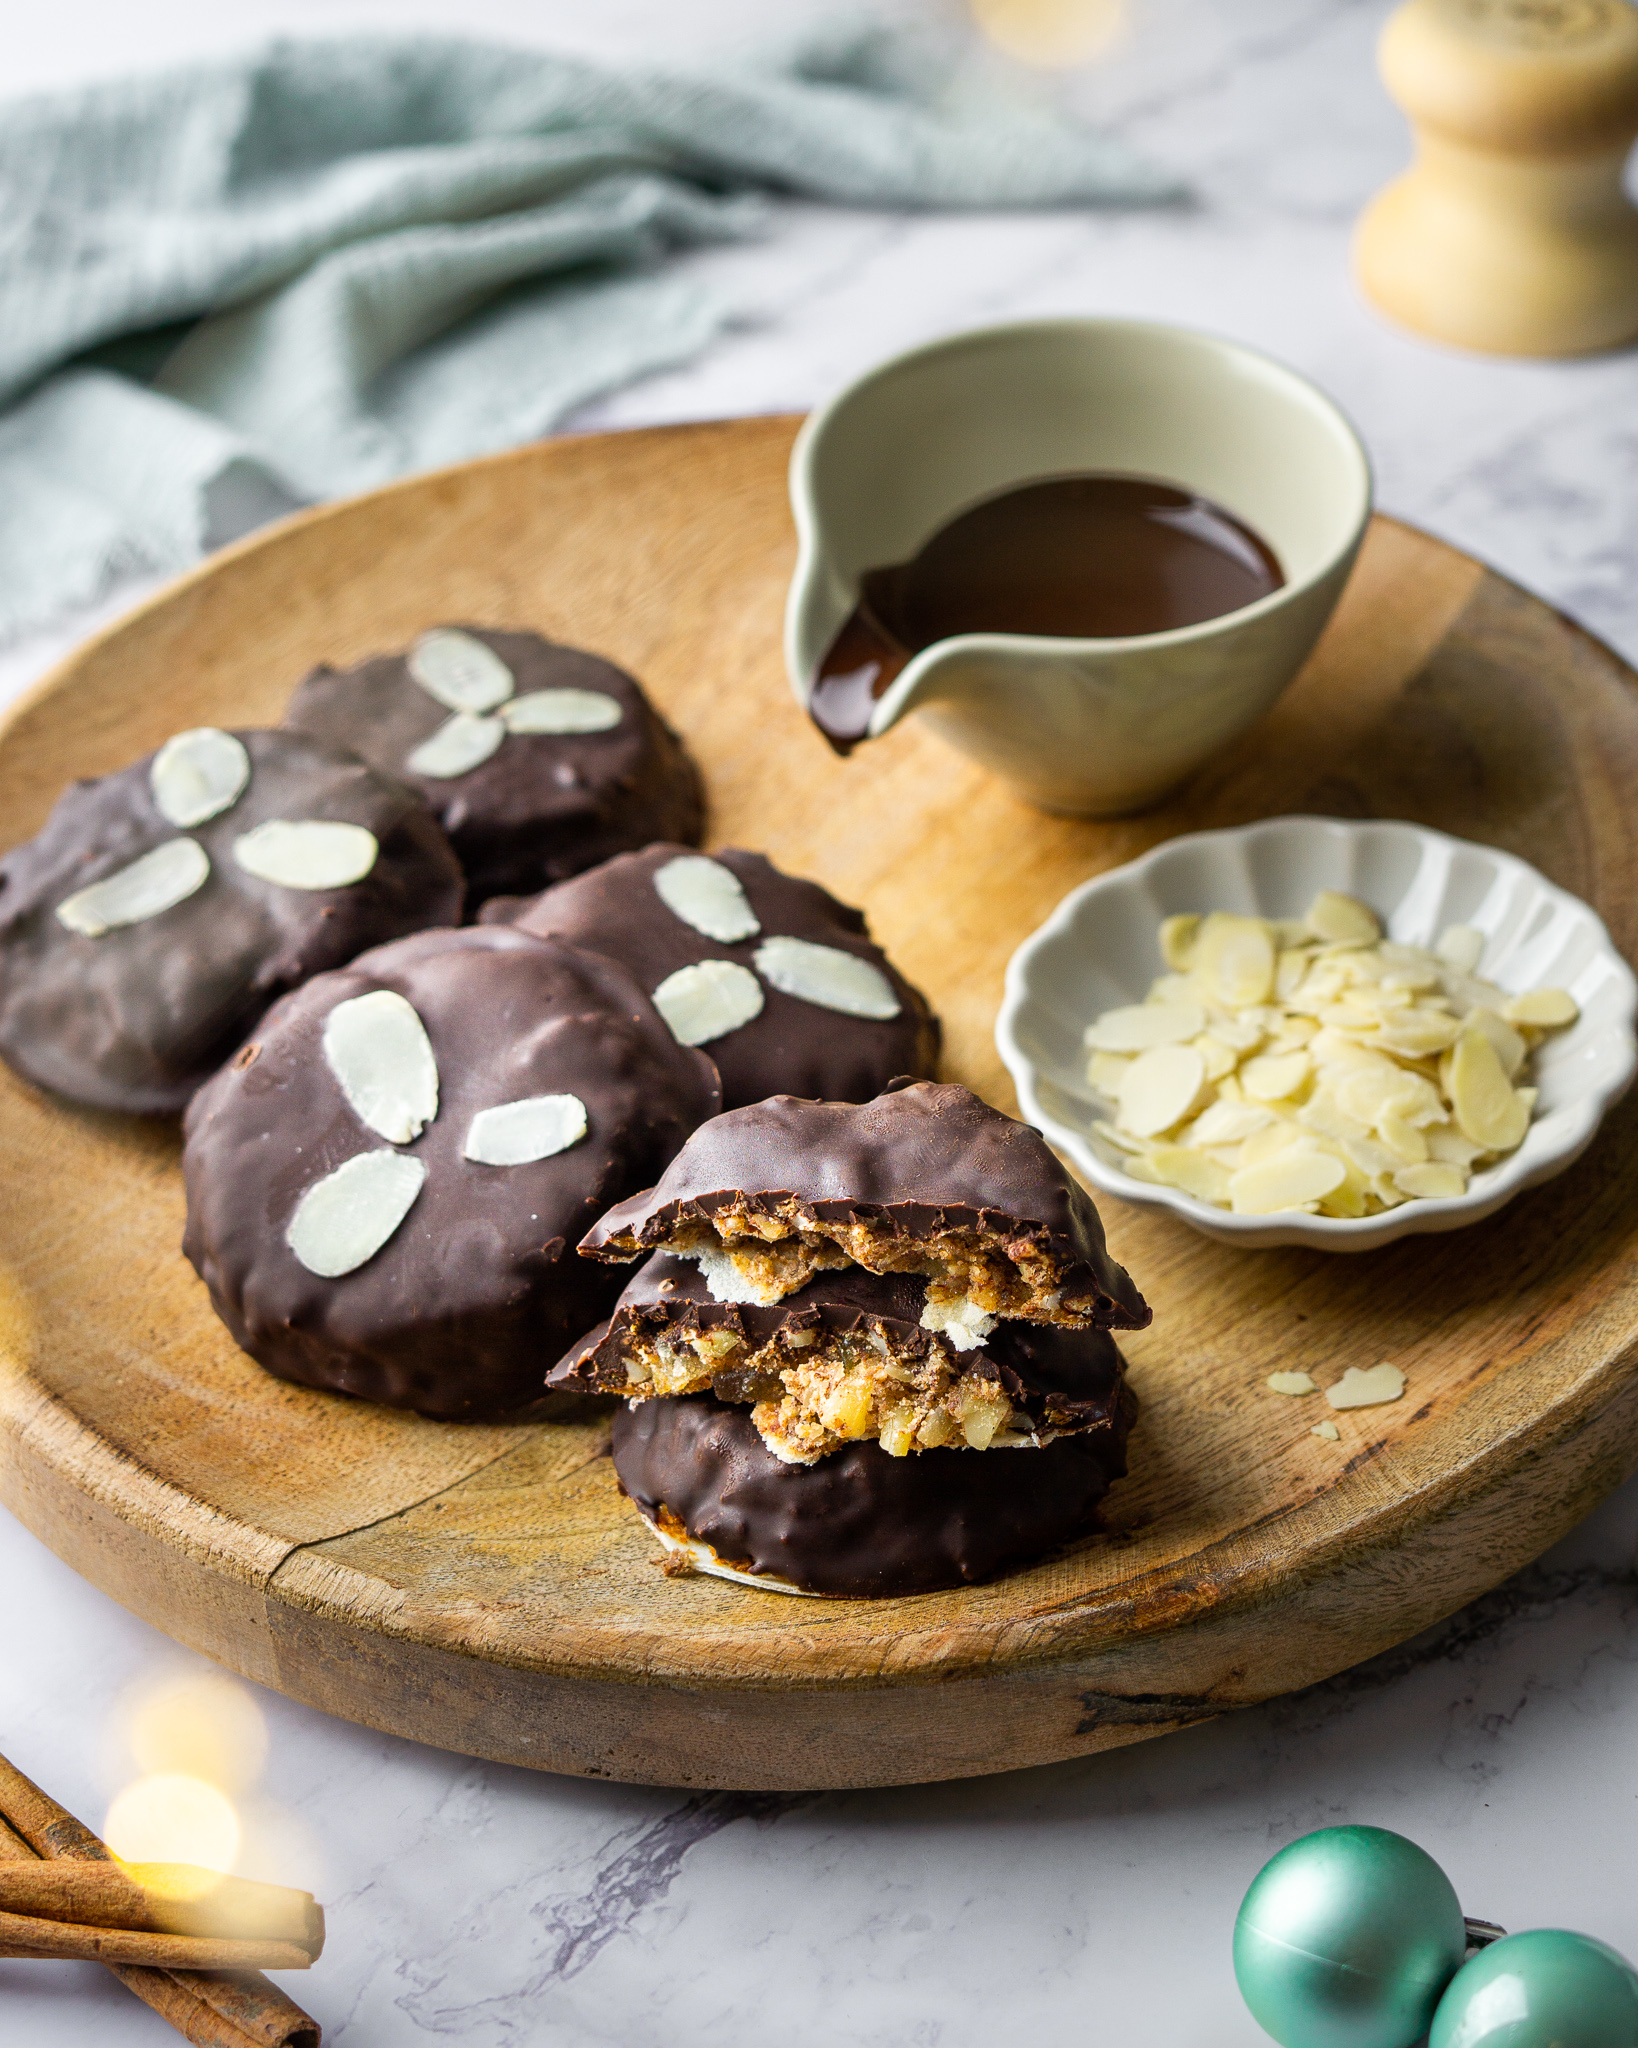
<point>811,1391</point>
<point>753,1253</point>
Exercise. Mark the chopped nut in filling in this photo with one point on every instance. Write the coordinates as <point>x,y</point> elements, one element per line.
<point>1310,1063</point>
<point>973,1276</point>
<point>813,1391</point>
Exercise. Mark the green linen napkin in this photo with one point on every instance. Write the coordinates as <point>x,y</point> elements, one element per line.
<point>235,288</point>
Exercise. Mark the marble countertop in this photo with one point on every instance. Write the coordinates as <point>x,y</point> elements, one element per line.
<point>1091,1900</point>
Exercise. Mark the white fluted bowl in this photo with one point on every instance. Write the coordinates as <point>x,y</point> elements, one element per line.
<point>1100,948</point>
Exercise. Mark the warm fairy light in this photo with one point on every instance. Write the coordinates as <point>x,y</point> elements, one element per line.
<point>198,1742</point>
<point>171,1817</point>
<point>202,1725</point>
<point>1053,34</point>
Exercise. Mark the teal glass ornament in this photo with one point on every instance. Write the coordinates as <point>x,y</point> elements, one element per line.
<point>1346,1939</point>
<point>1543,1989</point>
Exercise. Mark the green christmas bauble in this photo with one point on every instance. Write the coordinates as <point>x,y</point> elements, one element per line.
<point>1544,1989</point>
<point>1346,1939</point>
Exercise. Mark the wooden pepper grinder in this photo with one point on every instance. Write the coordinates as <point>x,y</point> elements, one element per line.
<point>1511,231</point>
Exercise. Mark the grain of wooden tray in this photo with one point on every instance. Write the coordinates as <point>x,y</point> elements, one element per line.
<point>484,1587</point>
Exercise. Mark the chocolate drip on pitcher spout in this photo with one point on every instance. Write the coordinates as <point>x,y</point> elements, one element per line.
<point>856,670</point>
<point>1087,556</point>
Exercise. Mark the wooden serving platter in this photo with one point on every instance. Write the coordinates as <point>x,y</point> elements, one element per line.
<point>485,1588</point>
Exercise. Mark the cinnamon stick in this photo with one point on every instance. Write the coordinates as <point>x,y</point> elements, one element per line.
<point>212,2009</point>
<point>25,1934</point>
<point>164,1898</point>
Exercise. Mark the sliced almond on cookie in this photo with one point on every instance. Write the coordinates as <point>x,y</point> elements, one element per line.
<point>132,894</point>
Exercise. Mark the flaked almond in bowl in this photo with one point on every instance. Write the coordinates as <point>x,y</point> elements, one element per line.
<point>1316,1031</point>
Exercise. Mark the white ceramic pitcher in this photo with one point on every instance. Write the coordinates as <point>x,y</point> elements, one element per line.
<point>1094,727</point>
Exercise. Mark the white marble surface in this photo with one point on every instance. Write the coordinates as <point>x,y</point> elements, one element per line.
<point>1091,1901</point>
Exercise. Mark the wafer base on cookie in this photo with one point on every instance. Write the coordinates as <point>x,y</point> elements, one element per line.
<point>858,1524</point>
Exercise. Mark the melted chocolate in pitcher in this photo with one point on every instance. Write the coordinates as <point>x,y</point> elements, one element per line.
<point>1091,556</point>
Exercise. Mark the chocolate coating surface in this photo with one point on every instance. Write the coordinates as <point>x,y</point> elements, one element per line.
<point>791,1047</point>
<point>861,1523</point>
<point>543,806</point>
<point>895,1180</point>
<point>136,1018</point>
<point>1062,1379</point>
<point>474,1295</point>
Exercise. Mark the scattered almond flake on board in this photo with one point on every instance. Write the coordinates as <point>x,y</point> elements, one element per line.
<point>307,853</point>
<point>708,1000</point>
<point>708,896</point>
<point>463,673</point>
<point>462,743</point>
<point>519,1133</point>
<point>1293,1383</point>
<point>562,712</point>
<point>197,775</point>
<point>1328,1430</point>
<point>343,1220</point>
<point>1159,1089</point>
<point>133,894</point>
<point>1359,1388</point>
<point>1321,1038</point>
<point>378,1049</point>
<point>827,976</point>
<point>1136,1027</point>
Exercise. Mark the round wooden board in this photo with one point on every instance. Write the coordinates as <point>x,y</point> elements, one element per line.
<point>485,1588</point>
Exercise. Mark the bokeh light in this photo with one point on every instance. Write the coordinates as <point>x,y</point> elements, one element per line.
<point>1054,35</point>
<point>172,1817</point>
<point>201,1724</point>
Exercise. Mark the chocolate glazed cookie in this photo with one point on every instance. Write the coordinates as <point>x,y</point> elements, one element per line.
<point>860,1523</point>
<point>386,1185</point>
<point>539,760</point>
<point>848,1356</point>
<point>776,979</point>
<point>160,910</point>
<point>924,1179</point>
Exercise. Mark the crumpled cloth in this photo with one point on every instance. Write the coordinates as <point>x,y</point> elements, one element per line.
<point>235,288</point>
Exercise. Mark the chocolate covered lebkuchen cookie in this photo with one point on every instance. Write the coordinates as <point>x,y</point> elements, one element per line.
<point>386,1185</point>
<point>539,760</point>
<point>860,1523</point>
<point>160,910</point>
<point>924,1179</point>
<point>836,1292</point>
<point>778,981</point>
<point>844,1358</point>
